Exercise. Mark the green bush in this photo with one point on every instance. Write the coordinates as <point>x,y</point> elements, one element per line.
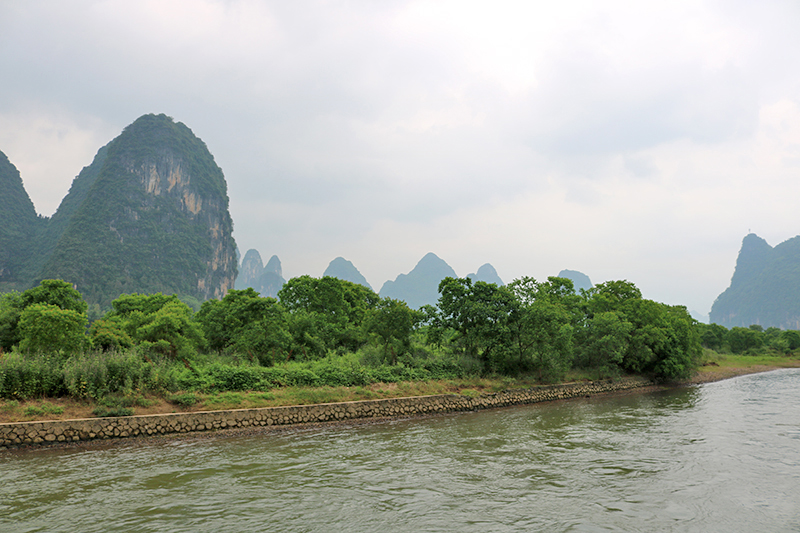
<point>187,399</point>
<point>96,375</point>
<point>28,376</point>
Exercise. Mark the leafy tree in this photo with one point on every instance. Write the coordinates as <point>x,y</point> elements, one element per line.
<point>478,313</point>
<point>10,310</point>
<point>55,292</point>
<point>604,341</point>
<point>743,339</point>
<point>712,335</point>
<point>336,307</point>
<point>658,339</point>
<point>541,326</point>
<point>48,328</point>
<point>49,292</point>
<point>156,322</point>
<point>393,321</point>
<point>109,334</point>
<point>244,322</point>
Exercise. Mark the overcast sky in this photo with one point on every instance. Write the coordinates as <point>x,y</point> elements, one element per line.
<point>626,140</point>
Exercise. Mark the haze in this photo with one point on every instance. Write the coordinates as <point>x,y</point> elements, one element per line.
<point>625,140</point>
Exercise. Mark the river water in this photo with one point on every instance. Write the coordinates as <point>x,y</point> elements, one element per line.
<point>723,456</point>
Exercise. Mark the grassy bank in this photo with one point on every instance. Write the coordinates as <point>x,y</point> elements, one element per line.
<point>69,408</point>
<point>718,366</point>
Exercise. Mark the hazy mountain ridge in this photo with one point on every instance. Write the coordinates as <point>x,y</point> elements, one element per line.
<point>267,279</point>
<point>579,279</point>
<point>343,269</point>
<point>765,286</point>
<point>488,274</point>
<point>421,285</point>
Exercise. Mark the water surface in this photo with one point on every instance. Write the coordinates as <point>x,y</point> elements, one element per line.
<point>722,456</point>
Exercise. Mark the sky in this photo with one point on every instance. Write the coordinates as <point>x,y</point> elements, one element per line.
<point>623,139</point>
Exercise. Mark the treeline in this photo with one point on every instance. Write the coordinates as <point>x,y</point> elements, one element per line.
<point>751,340</point>
<point>326,331</point>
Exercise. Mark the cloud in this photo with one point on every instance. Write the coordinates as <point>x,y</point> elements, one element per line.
<point>623,139</point>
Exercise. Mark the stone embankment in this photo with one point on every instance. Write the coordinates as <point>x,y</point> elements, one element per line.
<point>59,431</point>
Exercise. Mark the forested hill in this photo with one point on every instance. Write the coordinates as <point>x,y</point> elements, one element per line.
<point>150,214</point>
<point>18,223</point>
<point>765,288</point>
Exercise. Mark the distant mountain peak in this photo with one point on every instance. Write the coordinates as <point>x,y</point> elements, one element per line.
<point>579,279</point>
<point>267,280</point>
<point>420,286</point>
<point>345,270</point>
<point>488,274</point>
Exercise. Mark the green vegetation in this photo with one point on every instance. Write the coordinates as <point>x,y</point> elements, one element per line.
<point>326,339</point>
<point>150,214</point>
<point>765,288</point>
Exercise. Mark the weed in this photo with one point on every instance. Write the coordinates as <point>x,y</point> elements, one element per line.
<point>102,411</point>
<point>186,399</point>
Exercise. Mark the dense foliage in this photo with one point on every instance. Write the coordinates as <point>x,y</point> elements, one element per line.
<point>150,214</point>
<point>327,331</point>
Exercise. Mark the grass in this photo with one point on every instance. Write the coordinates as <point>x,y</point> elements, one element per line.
<point>716,361</point>
<point>120,404</point>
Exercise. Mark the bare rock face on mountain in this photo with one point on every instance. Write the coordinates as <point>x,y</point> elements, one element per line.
<point>579,279</point>
<point>150,214</point>
<point>343,269</point>
<point>765,287</point>
<point>420,286</point>
<point>487,274</point>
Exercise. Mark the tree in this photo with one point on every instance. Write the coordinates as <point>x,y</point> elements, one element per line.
<point>10,310</point>
<point>393,321</point>
<point>478,312</point>
<point>244,322</point>
<point>156,322</point>
<point>48,328</point>
<point>336,307</point>
<point>49,292</point>
<point>55,292</point>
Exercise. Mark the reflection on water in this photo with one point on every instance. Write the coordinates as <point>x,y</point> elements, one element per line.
<point>718,457</point>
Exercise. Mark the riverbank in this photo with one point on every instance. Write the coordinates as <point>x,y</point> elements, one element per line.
<point>484,395</point>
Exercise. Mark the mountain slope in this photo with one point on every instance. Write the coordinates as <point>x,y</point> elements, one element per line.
<point>18,224</point>
<point>420,286</point>
<point>150,214</point>
<point>579,279</point>
<point>765,287</point>
<point>343,269</point>
<point>488,274</point>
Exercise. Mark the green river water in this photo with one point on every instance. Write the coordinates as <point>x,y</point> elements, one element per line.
<point>722,457</point>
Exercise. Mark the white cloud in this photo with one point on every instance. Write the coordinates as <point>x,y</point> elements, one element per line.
<point>623,139</point>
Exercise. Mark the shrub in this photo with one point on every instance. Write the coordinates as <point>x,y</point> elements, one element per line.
<point>27,376</point>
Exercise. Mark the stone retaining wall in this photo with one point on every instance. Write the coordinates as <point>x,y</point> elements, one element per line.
<point>27,433</point>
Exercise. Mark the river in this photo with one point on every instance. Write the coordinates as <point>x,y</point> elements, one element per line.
<point>721,456</point>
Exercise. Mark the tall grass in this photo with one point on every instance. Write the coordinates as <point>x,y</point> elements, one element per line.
<point>95,375</point>
<point>31,375</point>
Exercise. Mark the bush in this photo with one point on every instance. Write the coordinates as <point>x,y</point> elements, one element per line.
<point>96,375</point>
<point>28,376</point>
<point>48,328</point>
<point>187,399</point>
